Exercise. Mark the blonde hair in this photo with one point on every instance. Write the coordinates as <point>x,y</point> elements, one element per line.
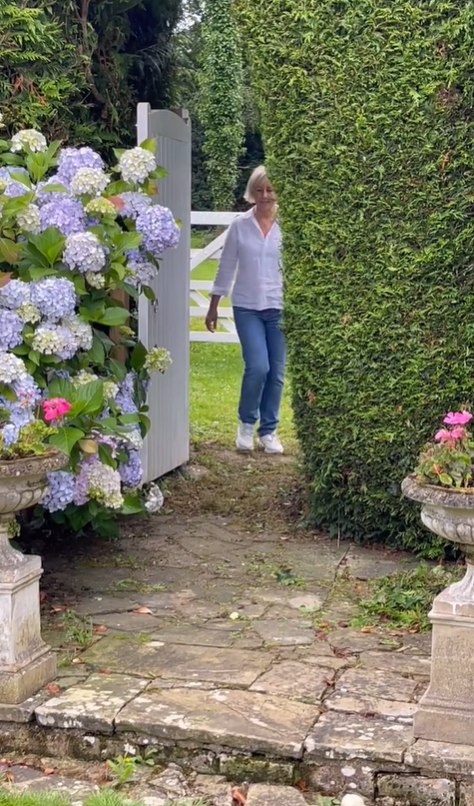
<point>257,176</point>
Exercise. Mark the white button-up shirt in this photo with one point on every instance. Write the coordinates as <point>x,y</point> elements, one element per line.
<point>256,258</point>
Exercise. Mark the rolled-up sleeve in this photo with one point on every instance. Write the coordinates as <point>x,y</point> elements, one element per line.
<point>227,264</point>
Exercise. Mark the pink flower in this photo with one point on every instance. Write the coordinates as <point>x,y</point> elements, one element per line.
<point>457,418</point>
<point>55,408</point>
<point>443,435</point>
<point>458,432</point>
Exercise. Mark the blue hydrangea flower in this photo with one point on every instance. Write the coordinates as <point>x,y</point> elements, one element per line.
<point>84,252</point>
<point>13,188</point>
<point>52,339</point>
<point>60,491</point>
<point>67,215</point>
<point>159,229</point>
<point>10,329</point>
<point>27,391</point>
<point>14,294</point>
<point>12,368</point>
<point>71,160</point>
<point>131,472</point>
<point>142,272</point>
<point>55,297</point>
<point>134,204</point>
<point>9,434</point>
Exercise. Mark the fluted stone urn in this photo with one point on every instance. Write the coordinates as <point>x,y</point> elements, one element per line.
<point>26,662</point>
<point>446,711</point>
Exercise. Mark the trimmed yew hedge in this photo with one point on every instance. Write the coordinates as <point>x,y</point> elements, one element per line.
<point>367,112</point>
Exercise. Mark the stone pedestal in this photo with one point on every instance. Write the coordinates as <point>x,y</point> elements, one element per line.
<point>26,662</point>
<point>446,711</point>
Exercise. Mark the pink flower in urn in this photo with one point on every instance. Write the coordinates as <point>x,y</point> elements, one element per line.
<point>458,432</point>
<point>54,408</point>
<point>457,418</point>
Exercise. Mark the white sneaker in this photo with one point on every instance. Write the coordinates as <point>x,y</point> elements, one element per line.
<point>244,439</point>
<point>270,443</point>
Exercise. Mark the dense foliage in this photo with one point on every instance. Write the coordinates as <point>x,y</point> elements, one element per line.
<point>367,113</point>
<point>221,100</point>
<point>77,241</point>
<point>113,54</point>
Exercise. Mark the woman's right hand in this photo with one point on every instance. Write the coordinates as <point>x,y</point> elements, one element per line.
<point>211,319</point>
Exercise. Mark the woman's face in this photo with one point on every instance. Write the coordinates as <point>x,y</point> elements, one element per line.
<point>264,194</point>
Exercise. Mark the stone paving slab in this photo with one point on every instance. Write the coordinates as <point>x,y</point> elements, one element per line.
<point>92,705</point>
<point>351,736</point>
<point>232,667</point>
<point>296,681</point>
<point>230,718</point>
<point>377,683</point>
<point>265,795</point>
<point>451,759</point>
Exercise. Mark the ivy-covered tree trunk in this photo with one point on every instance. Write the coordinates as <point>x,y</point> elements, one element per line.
<point>367,112</point>
<point>221,100</point>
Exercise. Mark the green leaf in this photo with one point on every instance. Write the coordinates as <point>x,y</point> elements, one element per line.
<point>105,455</point>
<point>117,369</point>
<point>145,424</point>
<point>66,438</point>
<point>138,357</point>
<point>89,399</point>
<point>9,251</point>
<point>112,316</point>
<point>96,354</point>
<point>149,293</point>
<point>50,244</point>
<point>35,357</point>
<point>132,504</point>
<point>61,387</point>
<point>7,392</point>
<point>149,144</point>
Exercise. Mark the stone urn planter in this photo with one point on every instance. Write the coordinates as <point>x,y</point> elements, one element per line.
<point>26,662</point>
<point>446,711</point>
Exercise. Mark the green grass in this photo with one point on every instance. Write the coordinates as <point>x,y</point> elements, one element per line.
<point>216,371</point>
<point>104,798</point>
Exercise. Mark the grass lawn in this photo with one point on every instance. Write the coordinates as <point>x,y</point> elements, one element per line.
<point>216,371</point>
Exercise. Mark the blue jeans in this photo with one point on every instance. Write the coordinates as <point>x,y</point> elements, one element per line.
<point>264,353</point>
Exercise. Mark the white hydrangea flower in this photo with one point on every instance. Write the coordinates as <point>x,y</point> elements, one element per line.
<point>88,182</point>
<point>29,219</point>
<point>28,138</point>
<point>48,340</point>
<point>84,376</point>
<point>158,359</point>
<point>155,499</point>
<point>136,164</point>
<point>111,390</point>
<point>101,207</point>
<point>95,280</point>
<point>2,125</point>
<point>104,485</point>
<point>81,330</point>
<point>133,439</point>
<point>12,368</point>
<point>28,313</point>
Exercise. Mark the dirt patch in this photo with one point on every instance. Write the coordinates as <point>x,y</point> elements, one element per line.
<point>258,491</point>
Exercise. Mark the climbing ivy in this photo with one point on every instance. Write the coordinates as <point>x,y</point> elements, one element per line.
<point>367,114</point>
<point>221,99</point>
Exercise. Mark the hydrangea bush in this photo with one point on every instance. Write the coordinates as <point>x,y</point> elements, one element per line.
<point>76,238</point>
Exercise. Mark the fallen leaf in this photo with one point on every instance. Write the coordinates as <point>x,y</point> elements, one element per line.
<point>321,636</point>
<point>53,688</point>
<point>58,608</point>
<point>49,771</point>
<point>238,796</point>
<point>141,611</point>
<point>99,628</point>
<point>302,785</point>
<point>105,671</point>
<point>367,629</point>
<point>43,597</point>
<point>77,660</point>
<point>8,776</point>
<point>329,681</point>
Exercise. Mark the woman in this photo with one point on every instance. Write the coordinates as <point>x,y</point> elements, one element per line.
<point>252,249</point>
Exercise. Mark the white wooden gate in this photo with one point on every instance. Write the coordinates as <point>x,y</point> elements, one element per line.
<point>165,322</point>
<point>200,300</point>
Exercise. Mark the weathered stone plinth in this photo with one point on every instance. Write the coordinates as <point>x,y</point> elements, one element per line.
<point>446,711</point>
<point>26,662</point>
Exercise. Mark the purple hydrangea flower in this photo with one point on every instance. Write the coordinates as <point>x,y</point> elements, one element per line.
<point>13,187</point>
<point>63,213</point>
<point>9,434</point>
<point>10,329</point>
<point>159,229</point>
<point>14,294</point>
<point>131,472</point>
<point>84,252</point>
<point>71,160</point>
<point>55,297</point>
<point>134,204</point>
<point>60,490</point>
<point>44,196</point>
<point>27,391</point>
<point>124,399</point>
<point>142,271</point>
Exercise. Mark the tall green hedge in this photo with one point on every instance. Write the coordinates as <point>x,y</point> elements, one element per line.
<point>367,112</point>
